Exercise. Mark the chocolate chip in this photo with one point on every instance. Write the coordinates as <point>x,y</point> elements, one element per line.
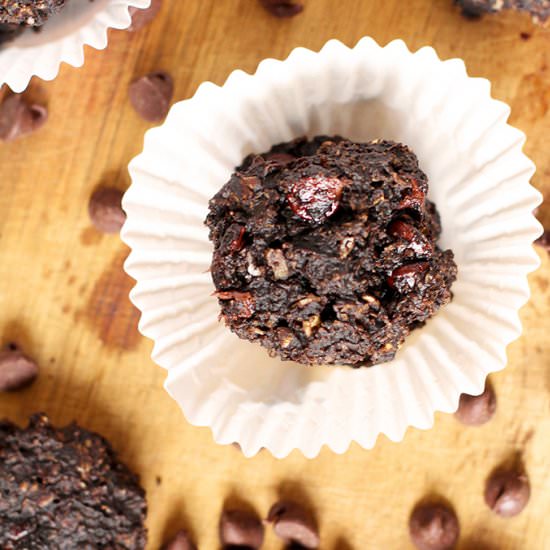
<point>17,371</point>
<point>433,526</point>
<point>544,240</point>
<point>142,17</point>
<point>242,529</point>
<point>507,492</point>
<point>282,8</point>
<point>105,209</point>
<point>151,95</point>
<point>475,410</point>
<point>294,524</point>
<point>19,118</point>
<point>181,541</point>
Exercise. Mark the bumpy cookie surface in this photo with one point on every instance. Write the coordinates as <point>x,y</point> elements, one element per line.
<point>64,488</point>
<point>538,9</point>
<point>324,251</point>
<point>32,13</point>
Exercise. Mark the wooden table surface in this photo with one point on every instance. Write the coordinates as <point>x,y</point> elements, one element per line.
<point>63,294</point>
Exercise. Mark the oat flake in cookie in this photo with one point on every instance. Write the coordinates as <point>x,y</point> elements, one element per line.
<point>325,251</point>
<point>64,488</point>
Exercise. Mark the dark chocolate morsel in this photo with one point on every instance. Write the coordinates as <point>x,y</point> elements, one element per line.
<point>17,371</point>
<point>544,240</point>
<point>507,492</point>
<point>105,209</point>
<point>181,541</point>
<point>475,410</point>
<point>142,17</point>
<point>241,528</point>
<point>282,8</point>
<point>19,118</point>
<point>294,524</point>
<point>433,526</point>
<point>151,95</point>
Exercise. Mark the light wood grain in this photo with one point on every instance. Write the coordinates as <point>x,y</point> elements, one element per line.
<point>63,293</point>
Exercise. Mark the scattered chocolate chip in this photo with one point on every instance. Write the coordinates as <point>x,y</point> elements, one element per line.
<point>142,17</point>
<point>475,410</point>
<point>316,197</point>
<point>282,8</point>
<point>181,541</point>
<point>105,209</point>
<point>18,118</point>
<point>544,240</point>
<point>434,526</point>
<point>507,492</point>
<point>242,529</point>
<point>293,524</point>
<point>151,95</point>
<point>17,371</point>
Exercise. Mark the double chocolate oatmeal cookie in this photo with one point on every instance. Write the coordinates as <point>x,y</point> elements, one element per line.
<point>324,251</point>
<point>538,9</point>
<point>64,489</point>
<point>32,13</point>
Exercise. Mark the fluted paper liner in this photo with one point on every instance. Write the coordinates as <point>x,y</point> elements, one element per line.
<point>62,40</point>
<point>479,179</point>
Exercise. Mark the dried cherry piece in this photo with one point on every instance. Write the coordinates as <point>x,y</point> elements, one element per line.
<point>233,239</point>
<point>405,278</point>
<point>315,197</point>
<point>417,242</point>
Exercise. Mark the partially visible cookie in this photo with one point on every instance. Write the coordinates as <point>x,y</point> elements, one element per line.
<point>32,13</point>
<point>65,488</point>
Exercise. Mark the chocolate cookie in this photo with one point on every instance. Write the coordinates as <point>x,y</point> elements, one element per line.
<point>32,13</point>
<point>538,9</point>
<point>64,488</point>
<point>324,251</point>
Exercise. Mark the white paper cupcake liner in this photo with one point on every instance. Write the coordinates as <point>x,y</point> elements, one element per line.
<point>479,179</point>
<point>62,40</point>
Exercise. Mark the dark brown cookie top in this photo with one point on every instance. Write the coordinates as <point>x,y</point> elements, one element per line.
<point>64,488</point>
<point>507,492</point>
<point>434,526</point>
<point>324,251</point>
<point>32,13</point>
